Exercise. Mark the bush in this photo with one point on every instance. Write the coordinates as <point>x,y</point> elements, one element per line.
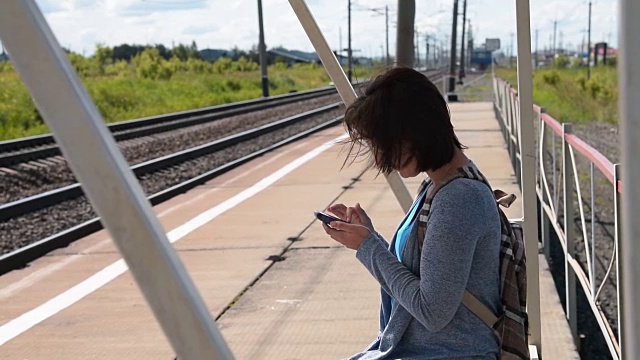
<point>577,62</point>
<point>6,67</point>
<point>151,83</point>
<point>552,78</point>
<point>569,97</point>
<point>561,61</point>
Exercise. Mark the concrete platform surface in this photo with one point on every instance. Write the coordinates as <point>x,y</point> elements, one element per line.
<point>279,286</point>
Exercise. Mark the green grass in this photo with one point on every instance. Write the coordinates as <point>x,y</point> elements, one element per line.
<point>568,96</point>
<point>151,86</point>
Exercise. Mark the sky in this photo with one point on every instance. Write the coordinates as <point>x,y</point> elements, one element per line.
<point>81,24</point>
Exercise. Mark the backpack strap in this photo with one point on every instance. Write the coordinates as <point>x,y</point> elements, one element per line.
<point>502,198</point>
<point>478,308</point>
<point>470,301</point>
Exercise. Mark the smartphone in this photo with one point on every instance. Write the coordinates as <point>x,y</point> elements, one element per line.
<point>326,218</point>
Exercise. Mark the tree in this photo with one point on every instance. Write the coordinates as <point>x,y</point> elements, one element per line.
<point>103,54</point>
<point>193,51</point>
<point>561,61</point>
<point>127,52</point>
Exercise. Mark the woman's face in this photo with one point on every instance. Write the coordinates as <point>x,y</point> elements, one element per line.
<point>410,169</point>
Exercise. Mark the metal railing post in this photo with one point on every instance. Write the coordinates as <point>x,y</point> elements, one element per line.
<point>617,216</point>
<point>544,218</point>
<point>503,113</point>
<point>554,171</point>
<point>511,115</point>
<point>569,232</point>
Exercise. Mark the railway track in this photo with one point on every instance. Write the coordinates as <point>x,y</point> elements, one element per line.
<point>33,226</point>
<point>40,147</point>
<point>227,153</point>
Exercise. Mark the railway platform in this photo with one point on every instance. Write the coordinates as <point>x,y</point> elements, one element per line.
<point>278,286</point>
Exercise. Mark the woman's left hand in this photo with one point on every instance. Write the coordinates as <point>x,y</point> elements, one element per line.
<point>349,235</point>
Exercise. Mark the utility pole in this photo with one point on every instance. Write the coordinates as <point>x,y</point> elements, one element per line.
<point>426,55</point>
<point>555,26</point>
<point>386,21</point>
<point>589,46</point>
<point>340,39</point>
<point>437,54</point>
<point>417,34</point>
<point>470,47</point>
<point>386,26</point>
<point>404,37</point>
<point>462,44</point>
<point>452,60</point>
<point>536,57</point>
<point>350,71</point>
<point>444,51</point>
<point>263,53</point>
<point>511,51</point>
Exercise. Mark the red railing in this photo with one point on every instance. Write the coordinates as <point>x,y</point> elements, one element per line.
<point>600,161</point>
<point>578,272</point>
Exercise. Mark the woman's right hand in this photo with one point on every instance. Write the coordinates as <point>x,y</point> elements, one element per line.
<point>353,215</point>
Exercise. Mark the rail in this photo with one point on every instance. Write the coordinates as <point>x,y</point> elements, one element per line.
<point>559,190</point>
<point>41,146</point>
<point>21,257</point>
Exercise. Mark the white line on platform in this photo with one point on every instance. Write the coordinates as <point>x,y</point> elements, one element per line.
<point>33,317</point>
<point>51,269</point>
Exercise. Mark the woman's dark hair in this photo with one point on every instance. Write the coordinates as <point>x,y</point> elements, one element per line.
<point>402,112</point>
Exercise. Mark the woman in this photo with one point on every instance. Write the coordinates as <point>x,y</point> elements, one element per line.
<point>404,120</point>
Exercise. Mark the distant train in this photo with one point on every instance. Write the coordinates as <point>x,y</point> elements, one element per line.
<point>480,59</point>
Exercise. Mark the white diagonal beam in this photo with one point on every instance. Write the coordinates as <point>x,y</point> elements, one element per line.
<point>108,182</point>
<point>342,84</point>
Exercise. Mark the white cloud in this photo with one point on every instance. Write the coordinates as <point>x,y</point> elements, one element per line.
<point>146,7</point>
<point>80,24</point>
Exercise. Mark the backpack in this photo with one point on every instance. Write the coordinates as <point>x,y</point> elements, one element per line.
<point>511,326</point>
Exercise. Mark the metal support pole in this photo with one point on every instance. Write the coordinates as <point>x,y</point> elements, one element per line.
<point>108,182</point>
<point>629,77</point>
<point>404,37</point>
<point>426,56</point>
<point>349,51</point>
<point>555,28</point>
<point>452,60</point>
<point>437,55</point>
<point>569,232</point>
<point>527,141</point>
<point>343,86</point>
<point>386,21</point>
<point>263,54</point>
<point>417,33</point>
<point>462,45</point>
<point>470,45</point>
<point>589,46</point>
<point>536,57</point>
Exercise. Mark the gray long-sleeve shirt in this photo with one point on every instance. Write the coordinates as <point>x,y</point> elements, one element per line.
<point>461,251</point>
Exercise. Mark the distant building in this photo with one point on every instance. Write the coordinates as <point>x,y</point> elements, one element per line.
<point>291,56</point>
<point>215,54</point>
<point>279,54</point>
